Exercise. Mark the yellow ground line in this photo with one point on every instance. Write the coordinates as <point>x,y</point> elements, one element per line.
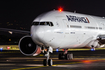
<point>54,65</point>
<point>9,52</point>
<point>44,66</point>
<point>80,49</point>
<point>67,63</point>
<point>29,68</point>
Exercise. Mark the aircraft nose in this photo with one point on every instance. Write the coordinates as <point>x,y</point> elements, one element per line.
<point>40,33</point>
<point>37,33</point>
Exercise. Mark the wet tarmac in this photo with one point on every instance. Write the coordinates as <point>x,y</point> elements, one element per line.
<point>83,60</point>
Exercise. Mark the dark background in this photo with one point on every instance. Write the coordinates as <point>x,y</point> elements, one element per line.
<point>19,14</point>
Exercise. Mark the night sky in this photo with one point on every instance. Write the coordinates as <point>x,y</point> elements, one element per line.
<point>25,11</point>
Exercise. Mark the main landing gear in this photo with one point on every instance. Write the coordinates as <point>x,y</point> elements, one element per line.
<point>48,61</point>
<point>65,55</point>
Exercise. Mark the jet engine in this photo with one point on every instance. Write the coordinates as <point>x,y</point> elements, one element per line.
<point>28,47</point>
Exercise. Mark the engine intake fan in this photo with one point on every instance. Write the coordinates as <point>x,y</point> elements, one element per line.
<point>28,47</point>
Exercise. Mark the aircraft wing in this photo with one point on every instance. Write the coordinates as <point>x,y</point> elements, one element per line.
<point>14,31</point>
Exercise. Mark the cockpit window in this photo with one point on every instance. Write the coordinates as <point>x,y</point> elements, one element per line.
<point>51,23</point>
<point>35,23</point>
<point>43,23</point>
<point>47,23</point>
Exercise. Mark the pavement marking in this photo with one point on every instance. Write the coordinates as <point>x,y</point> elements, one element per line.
<point>45,66</point>
<point>29,68</point>
<point>9,52</point>
<point>41,55</point>
<point>5,64</point>
<point>41,66</point>
<point>80,62</point>
<point>56,59</point>
<point>15,47</point>
<point>67,63</point>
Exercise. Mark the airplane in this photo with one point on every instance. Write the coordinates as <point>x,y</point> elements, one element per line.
<point>59,29</point>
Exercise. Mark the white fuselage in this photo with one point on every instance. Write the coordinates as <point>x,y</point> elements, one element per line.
<point>69,30</point>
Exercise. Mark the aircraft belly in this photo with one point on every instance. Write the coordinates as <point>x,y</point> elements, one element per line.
<point>75,40</point>
<point>68,42</point>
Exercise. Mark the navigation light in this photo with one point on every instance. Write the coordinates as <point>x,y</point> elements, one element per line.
<point>60,9</point>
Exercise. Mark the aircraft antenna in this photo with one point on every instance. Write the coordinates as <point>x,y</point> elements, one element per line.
<point>75,11</point>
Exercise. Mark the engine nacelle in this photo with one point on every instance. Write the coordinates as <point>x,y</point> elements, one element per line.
<point>28,47</point>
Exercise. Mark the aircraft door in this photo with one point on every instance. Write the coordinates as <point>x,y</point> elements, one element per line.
<point>65,23</point>
<point>60,22</point>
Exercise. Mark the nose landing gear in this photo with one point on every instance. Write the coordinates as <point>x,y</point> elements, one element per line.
<point>48,61</point>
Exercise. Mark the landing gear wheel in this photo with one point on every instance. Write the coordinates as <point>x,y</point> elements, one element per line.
<point>69,56</point>
<point>45,62</point>
<point>65,56</point>
<point>50,62</point>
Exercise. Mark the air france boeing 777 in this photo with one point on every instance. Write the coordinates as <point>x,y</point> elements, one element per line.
<point>62,30</point>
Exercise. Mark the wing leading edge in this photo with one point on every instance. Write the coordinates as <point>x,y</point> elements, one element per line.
<point>14,31</point>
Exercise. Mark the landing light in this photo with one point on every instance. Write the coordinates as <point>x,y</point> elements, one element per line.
<point>10,32</point>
